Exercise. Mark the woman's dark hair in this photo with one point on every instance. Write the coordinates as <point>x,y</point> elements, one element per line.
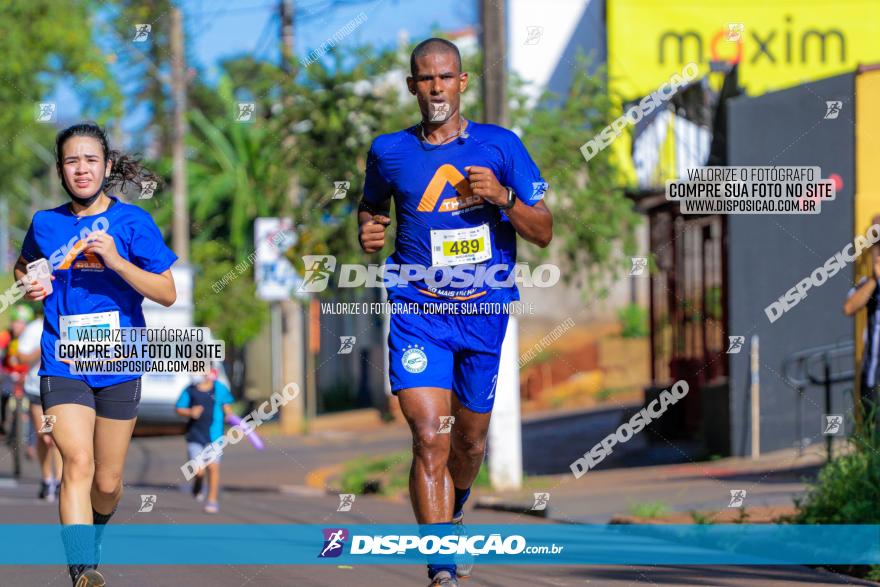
<point>126,168</point>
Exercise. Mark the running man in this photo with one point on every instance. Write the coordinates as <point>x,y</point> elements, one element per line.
<point>107,256</point>
<point>462,192</point>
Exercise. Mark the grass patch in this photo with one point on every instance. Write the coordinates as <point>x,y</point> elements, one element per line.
<point>387,474</point>
<point>653,509</point>
<point>604,394</point>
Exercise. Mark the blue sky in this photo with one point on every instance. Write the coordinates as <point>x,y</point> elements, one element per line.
<point>216,31</point>
<point>249,26</point>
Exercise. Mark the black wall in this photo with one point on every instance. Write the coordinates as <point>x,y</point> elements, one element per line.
<point>769,254</point>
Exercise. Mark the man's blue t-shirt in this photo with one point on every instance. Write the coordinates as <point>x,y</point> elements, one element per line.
<point>84,290</point>
<point>209,426</point>
<point>440,223</point>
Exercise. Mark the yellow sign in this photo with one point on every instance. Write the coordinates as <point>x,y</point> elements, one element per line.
<point>777,43</point>
<point>463,247</point>
<point>867,197</point>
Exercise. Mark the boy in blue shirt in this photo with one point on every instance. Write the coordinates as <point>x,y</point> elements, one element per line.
<point>206,402</point>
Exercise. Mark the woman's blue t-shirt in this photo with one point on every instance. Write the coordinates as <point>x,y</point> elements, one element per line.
<point>83,285</point>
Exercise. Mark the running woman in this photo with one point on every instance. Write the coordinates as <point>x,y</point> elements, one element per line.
<point>462,192</point>
<point>106,256</point>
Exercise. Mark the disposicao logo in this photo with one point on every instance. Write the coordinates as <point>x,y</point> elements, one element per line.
<point>334,542</point>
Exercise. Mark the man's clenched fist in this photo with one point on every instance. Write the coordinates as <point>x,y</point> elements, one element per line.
<point>372,233</point>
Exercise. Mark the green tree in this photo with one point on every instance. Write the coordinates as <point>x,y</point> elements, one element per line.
<point>336,113</point>
<point>42,43</point>
<point>594,223</point>
<point>234,175</point>
<point>229,307</point>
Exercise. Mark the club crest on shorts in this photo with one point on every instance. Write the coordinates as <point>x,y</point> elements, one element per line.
<point>414,359</point>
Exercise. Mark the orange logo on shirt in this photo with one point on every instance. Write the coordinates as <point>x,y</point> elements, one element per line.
<point>448,174</point>
<point>91,262</point>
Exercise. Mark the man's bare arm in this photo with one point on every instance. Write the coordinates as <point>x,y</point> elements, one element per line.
<point>372,221</point>
<point>533,223</point>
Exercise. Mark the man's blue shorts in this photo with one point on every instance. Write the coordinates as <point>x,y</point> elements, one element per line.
<point>452,351</point>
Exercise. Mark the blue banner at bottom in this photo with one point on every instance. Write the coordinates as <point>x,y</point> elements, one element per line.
<point>545,544</point>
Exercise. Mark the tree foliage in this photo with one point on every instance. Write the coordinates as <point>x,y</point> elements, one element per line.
<point>594,223</point>
<point>44,42</point>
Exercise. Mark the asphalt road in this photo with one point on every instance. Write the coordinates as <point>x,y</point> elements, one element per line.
<point>18,505</point>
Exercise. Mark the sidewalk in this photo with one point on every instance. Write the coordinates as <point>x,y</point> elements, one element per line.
<point>772,480</point>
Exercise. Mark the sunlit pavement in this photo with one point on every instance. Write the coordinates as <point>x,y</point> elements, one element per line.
<point>19,505</point>
<point>269,487</point>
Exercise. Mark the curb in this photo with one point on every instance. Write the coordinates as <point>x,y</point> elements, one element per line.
<point>498,505</point>
<point>316,479</point>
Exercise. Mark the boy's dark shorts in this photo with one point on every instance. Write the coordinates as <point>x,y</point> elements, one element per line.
<point>116,402</point>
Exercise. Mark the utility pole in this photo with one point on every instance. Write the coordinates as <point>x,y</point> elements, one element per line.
<point>493,39</point>
<point>180,226</point>
<point>294,361</point>
<point>505,428</point>
<point>286,12</point>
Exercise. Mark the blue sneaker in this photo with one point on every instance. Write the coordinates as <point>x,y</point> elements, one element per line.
<point>464,563</point>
